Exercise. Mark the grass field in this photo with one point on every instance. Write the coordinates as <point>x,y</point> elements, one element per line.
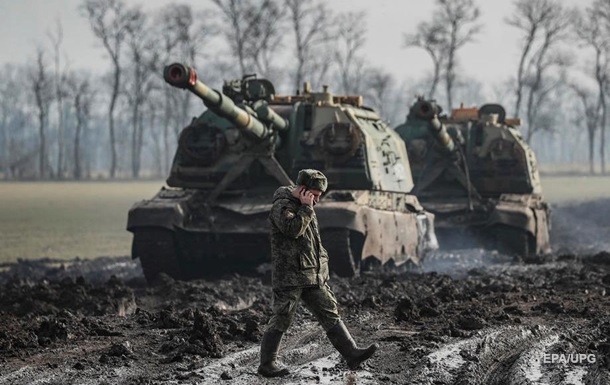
<point>67,219</point>
<point>564,189</point>
<point>88,219</point>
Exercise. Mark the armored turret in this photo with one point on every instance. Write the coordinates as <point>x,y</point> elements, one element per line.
<point>238,129</point>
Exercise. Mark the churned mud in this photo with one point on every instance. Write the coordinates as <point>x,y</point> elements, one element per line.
<point>464,317</point>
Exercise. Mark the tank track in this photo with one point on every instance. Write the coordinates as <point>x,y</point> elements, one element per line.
<point>343,248</point>
<point>514,241</point>
<point>156,249</point>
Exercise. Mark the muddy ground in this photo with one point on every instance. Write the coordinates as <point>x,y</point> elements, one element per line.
<point>467,317</point>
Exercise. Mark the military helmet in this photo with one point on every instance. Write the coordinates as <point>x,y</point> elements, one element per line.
<point>312,179</point>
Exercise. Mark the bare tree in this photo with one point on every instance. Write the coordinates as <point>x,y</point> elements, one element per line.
<point>143,60</point>
<point>601,9</point>
<point>311,23</point>
<point>554,29</point>
<point>540,94</point>
<point>544,24</point>
<point>82,99</point>
<point>56,37</point>
<point>267,39</point>
<point>252,30</point>
<point>181,38</point>
<point>350,39</point>
<point>528,18</point>
<point>18,150</point>
<point>109,20</point>
<point>454,24</point>
<point>195,32</point>
<point>175,22</point>
<point>7,97</point>
<point>591,113</point>
<point>42,88</point>
<point>589,28</point>
<point>432,37</point>
<point>461,18</point>
<point>468,92</point>
<point>379,85</point>
<point>154,106</point>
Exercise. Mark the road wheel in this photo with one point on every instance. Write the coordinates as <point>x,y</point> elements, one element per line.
<point>344,248</point>
<point>157,250</point>
<point>515,242</point>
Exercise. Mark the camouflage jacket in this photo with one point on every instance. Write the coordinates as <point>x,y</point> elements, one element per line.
<point>298,257</point>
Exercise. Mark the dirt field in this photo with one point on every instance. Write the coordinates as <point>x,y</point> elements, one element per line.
<point>469,317</point>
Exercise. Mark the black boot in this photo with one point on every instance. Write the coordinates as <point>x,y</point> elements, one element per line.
<point>269,348</point>
<point>342,341</point>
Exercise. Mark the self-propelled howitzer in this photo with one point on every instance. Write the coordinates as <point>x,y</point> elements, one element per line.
<point>214,215</point>
<point>474,171</point>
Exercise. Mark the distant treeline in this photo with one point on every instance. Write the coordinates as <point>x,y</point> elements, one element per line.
<point>58,122</point>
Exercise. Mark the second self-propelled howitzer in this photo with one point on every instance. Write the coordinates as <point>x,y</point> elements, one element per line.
<point>213,217</point>
<point>474,171</point>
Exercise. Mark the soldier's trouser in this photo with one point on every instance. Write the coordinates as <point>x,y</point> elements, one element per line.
<point>320,301</point>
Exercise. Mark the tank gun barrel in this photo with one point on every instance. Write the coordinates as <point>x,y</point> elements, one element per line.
<point>182,76</point>
<point>428,110</point>
<point>425,109</point>
<point>440,134</point>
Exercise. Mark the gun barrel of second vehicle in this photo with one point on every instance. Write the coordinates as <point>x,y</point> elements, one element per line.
<point>182,76</point>
<point>440,134</point>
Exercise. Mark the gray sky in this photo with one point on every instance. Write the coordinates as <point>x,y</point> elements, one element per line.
<point>26,23</point>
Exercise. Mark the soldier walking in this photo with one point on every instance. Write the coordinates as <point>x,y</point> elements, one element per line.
<point>300,272</point>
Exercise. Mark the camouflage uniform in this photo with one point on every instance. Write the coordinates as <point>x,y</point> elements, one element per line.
<point>300,263</point>
<point>300,272</point>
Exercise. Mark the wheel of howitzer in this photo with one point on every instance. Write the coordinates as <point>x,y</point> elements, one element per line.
<point>344,247</point>
<point>516,242</point>
<point>157,250</point>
